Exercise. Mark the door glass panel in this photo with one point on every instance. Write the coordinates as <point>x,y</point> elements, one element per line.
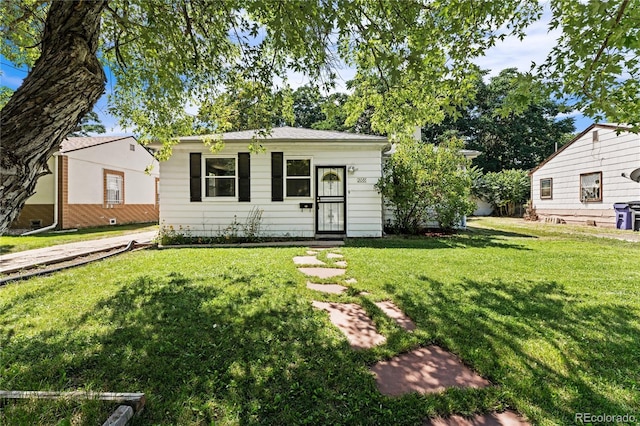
<point>330,199</point>
<point>330,182</point>
<point>331,217</point>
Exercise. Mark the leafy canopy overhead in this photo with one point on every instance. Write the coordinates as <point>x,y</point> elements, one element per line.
<point>414,59</point>
<point>507,139</point>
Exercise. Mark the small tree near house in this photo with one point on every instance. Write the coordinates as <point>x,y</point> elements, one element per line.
<point>424,183</point>
<point>505,190</point>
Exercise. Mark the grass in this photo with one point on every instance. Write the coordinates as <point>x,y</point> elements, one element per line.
<point>14,244</point>
<point>228,336</point>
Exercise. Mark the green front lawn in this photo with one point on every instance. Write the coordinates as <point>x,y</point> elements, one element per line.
<point>229,336</point>
<point>14,244</point>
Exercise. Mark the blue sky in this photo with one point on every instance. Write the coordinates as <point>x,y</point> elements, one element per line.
<point>509,53</point>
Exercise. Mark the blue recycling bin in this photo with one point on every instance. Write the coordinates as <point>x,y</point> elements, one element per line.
<point>635,214</point>
<point>624,216</point>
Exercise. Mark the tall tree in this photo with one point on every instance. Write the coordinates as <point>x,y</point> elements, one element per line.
<point>511,140</point>
<point>90,123</point>
<point>167,55</point>
<point>307,106</point>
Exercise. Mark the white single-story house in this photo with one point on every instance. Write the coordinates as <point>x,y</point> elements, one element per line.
<point>581,181</point>
<point>94,181</point>
<point>307,183</point>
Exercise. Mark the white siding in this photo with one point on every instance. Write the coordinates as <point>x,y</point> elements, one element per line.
<point>282,218</point>
<point>612,155</point>
<point>86,172</point>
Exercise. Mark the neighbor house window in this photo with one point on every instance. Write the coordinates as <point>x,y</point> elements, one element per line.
<point>220,177</point>
<point>113,187</point>
<point>591,187</point>
<point>298,178</point>
<point>546,188</point>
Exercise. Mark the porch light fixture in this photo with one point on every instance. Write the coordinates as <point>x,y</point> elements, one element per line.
<point>351,169</point>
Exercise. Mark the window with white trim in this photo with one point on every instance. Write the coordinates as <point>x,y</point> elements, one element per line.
<point>591,187</point>
<point>220,176</point>
<point>298,177</point>
<point>114,188</point>
<point>546,188</point>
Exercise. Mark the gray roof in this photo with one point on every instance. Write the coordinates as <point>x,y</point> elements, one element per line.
<point>294,134</point>
<point>73,144</point>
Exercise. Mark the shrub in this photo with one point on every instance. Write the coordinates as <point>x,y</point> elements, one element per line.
<point>506,190</point>
<point>425,183</point>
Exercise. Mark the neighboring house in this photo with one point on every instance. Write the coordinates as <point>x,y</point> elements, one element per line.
<point>307,183</point>
<point>94,181</point>
<point>581,181</point>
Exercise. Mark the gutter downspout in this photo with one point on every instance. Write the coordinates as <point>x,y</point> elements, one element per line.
<point>55,202</point>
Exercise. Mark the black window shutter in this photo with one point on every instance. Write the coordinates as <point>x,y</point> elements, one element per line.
<point>277,167</point>
<point>195,174</point>
<point>244,177</point>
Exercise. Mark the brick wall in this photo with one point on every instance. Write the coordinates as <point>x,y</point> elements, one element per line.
<point>85,215</point>
<point>42,212</point>
<point>63,189</point>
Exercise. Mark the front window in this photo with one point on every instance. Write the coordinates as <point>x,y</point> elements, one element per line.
<point>298,178</point>
<point>591,187</point>
<point>546,188</point>
<point>220,177</point>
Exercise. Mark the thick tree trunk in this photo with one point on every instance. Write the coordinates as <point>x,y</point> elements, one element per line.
<point>64,84</point>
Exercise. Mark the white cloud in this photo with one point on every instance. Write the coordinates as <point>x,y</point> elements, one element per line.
<point>513,52</point>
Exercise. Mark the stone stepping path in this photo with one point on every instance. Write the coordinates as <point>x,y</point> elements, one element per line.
<point>322,272</point>
<point>353,321</point>
<point>507,418</point>
<point>393,312</point>
<point>307,260</point>
<point>327,288</point>
<point>424,370</point>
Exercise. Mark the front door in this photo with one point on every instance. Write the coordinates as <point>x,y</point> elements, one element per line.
<point>330,200</point>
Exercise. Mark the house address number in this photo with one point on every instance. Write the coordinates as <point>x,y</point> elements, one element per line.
<point>362,180</point>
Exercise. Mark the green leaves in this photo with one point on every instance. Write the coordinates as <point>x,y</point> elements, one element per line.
<point>595,62</point>
<point>414,61</point>
<point>511,120</point>
<point>424,183</point>
<point>504,190</point>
